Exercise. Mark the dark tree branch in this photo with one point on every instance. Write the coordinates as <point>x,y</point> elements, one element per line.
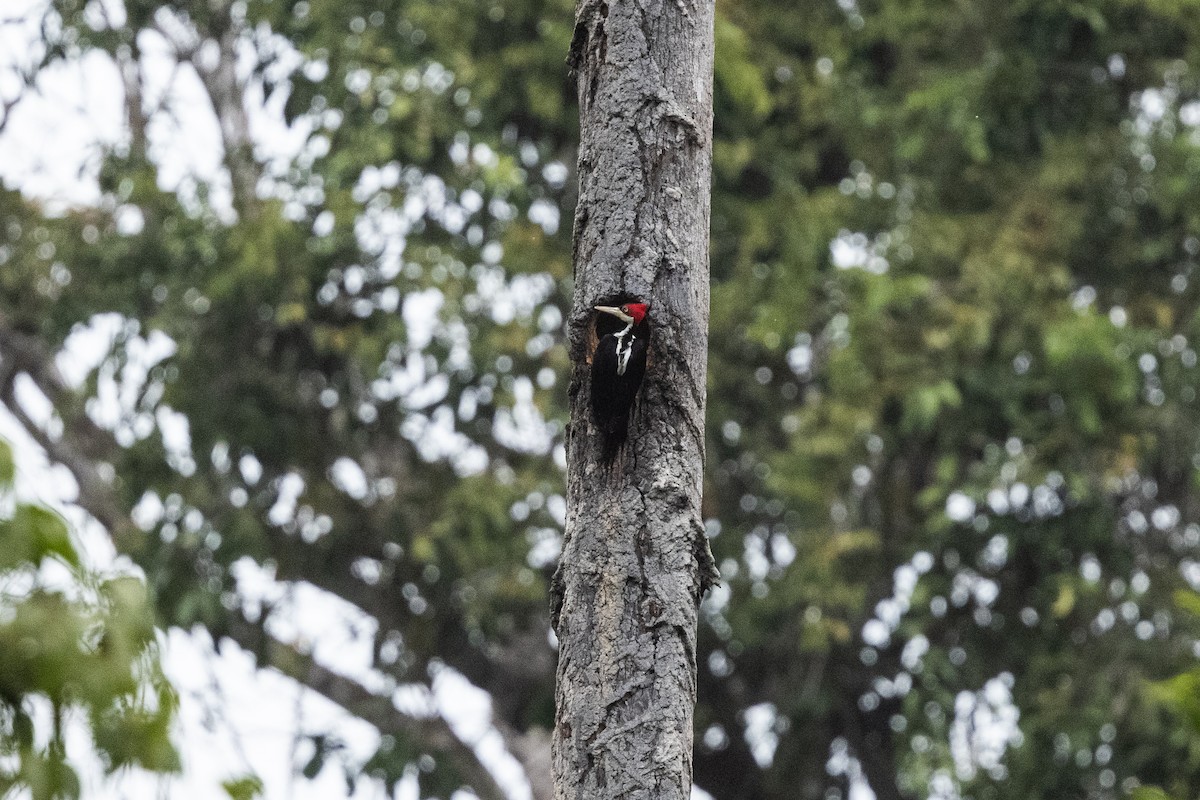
<point>227,95</point>
<point>81,451</point>
<point>377,709</point>
<point>532,749</point>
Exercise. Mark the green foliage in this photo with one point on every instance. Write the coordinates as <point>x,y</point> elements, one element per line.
<point>72,642</point>
<point>952,381</point>
<point>245,788</point>
<point>1149,793</point>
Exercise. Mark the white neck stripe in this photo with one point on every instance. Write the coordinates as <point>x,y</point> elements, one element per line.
<point>624,348</point>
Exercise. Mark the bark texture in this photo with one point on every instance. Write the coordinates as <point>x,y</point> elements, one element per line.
<point>635,558</point>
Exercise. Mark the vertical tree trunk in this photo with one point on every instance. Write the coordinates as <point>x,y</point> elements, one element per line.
<point>635,558</point>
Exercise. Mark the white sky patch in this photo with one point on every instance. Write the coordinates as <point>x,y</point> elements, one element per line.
<point>523,428</point>
<point>875,632</point>
<point>436,440</point>
<point>338,634</point>
<point>53,142</point>
<point>959,507</point>
<point>995,554</point>
<point>236,719</point>
<point>968,584</point>
<point>858,251</point>
<point>842,762</point>
<point>427,392</point>
<point>382,231</point>
<point>291,486</point>
<point>783,552</point>
<point>87,346</point>
<point>184,139</point>
<point>942,787</point>
<point>890,611</point>
<point>754,555</point>
<point>148,512</point>
<point>349,477</point>
<point>32,401</point>
<point>800,356</point>
<point>467,709</point>
<point>545,214</point>
<point>176,433</point>
<point>760,733</point>
<point>717,598</point>
<point>1189,114</point>
<point>984,727</point>
<point>420,312</point>
<point>914,651</point>
<point>1152,104</point>
<point>545,546</point>
<point>250,469</point>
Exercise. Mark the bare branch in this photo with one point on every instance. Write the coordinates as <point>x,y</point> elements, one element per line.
<point>6,109</point>
<point>135,111</point>
<point>20,352</point>
<point>184,49</point>
<point>377,709</point>
<point>27,79</point>
<point>227,95</point>
<point>532,749</point>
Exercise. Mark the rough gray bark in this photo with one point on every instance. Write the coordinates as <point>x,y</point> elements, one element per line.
<point>635,558</point>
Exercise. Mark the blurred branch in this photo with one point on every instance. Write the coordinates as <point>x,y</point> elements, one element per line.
<point>377,709</point>
<point>135,111</point>
<point>532,749</point>
<point>26,78</point>
<point>81,452</point>
<point>6,109</point>
<point>183,42</point>
<point>225,92</point>
<point>82,448</point>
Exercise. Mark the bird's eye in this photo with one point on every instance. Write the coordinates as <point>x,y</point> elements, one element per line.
<point>625,309</point>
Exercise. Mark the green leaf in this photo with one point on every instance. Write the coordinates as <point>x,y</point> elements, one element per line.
<point>38,533</point>
<point>7,465</point>
<point>1181,693</point>
<point>1149,793</point>
<point>1188,600</point>
<point>246,787</point>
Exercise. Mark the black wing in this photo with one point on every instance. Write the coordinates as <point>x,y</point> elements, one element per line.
<point>613,394</point>
<point>606,395</point>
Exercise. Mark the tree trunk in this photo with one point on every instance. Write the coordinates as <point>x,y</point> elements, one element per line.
<point>635,558</point>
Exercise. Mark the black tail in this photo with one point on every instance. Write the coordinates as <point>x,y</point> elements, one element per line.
<point>613,435</point>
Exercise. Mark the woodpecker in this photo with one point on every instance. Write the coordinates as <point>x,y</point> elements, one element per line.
<point>617,369</point>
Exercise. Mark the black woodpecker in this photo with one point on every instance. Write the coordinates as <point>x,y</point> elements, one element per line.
<point>618,366</point>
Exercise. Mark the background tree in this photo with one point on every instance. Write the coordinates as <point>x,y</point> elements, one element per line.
<point>952,384</point>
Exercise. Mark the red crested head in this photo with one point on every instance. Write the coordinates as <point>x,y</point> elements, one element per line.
<point>637,311</point>
<point>630,313</point>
